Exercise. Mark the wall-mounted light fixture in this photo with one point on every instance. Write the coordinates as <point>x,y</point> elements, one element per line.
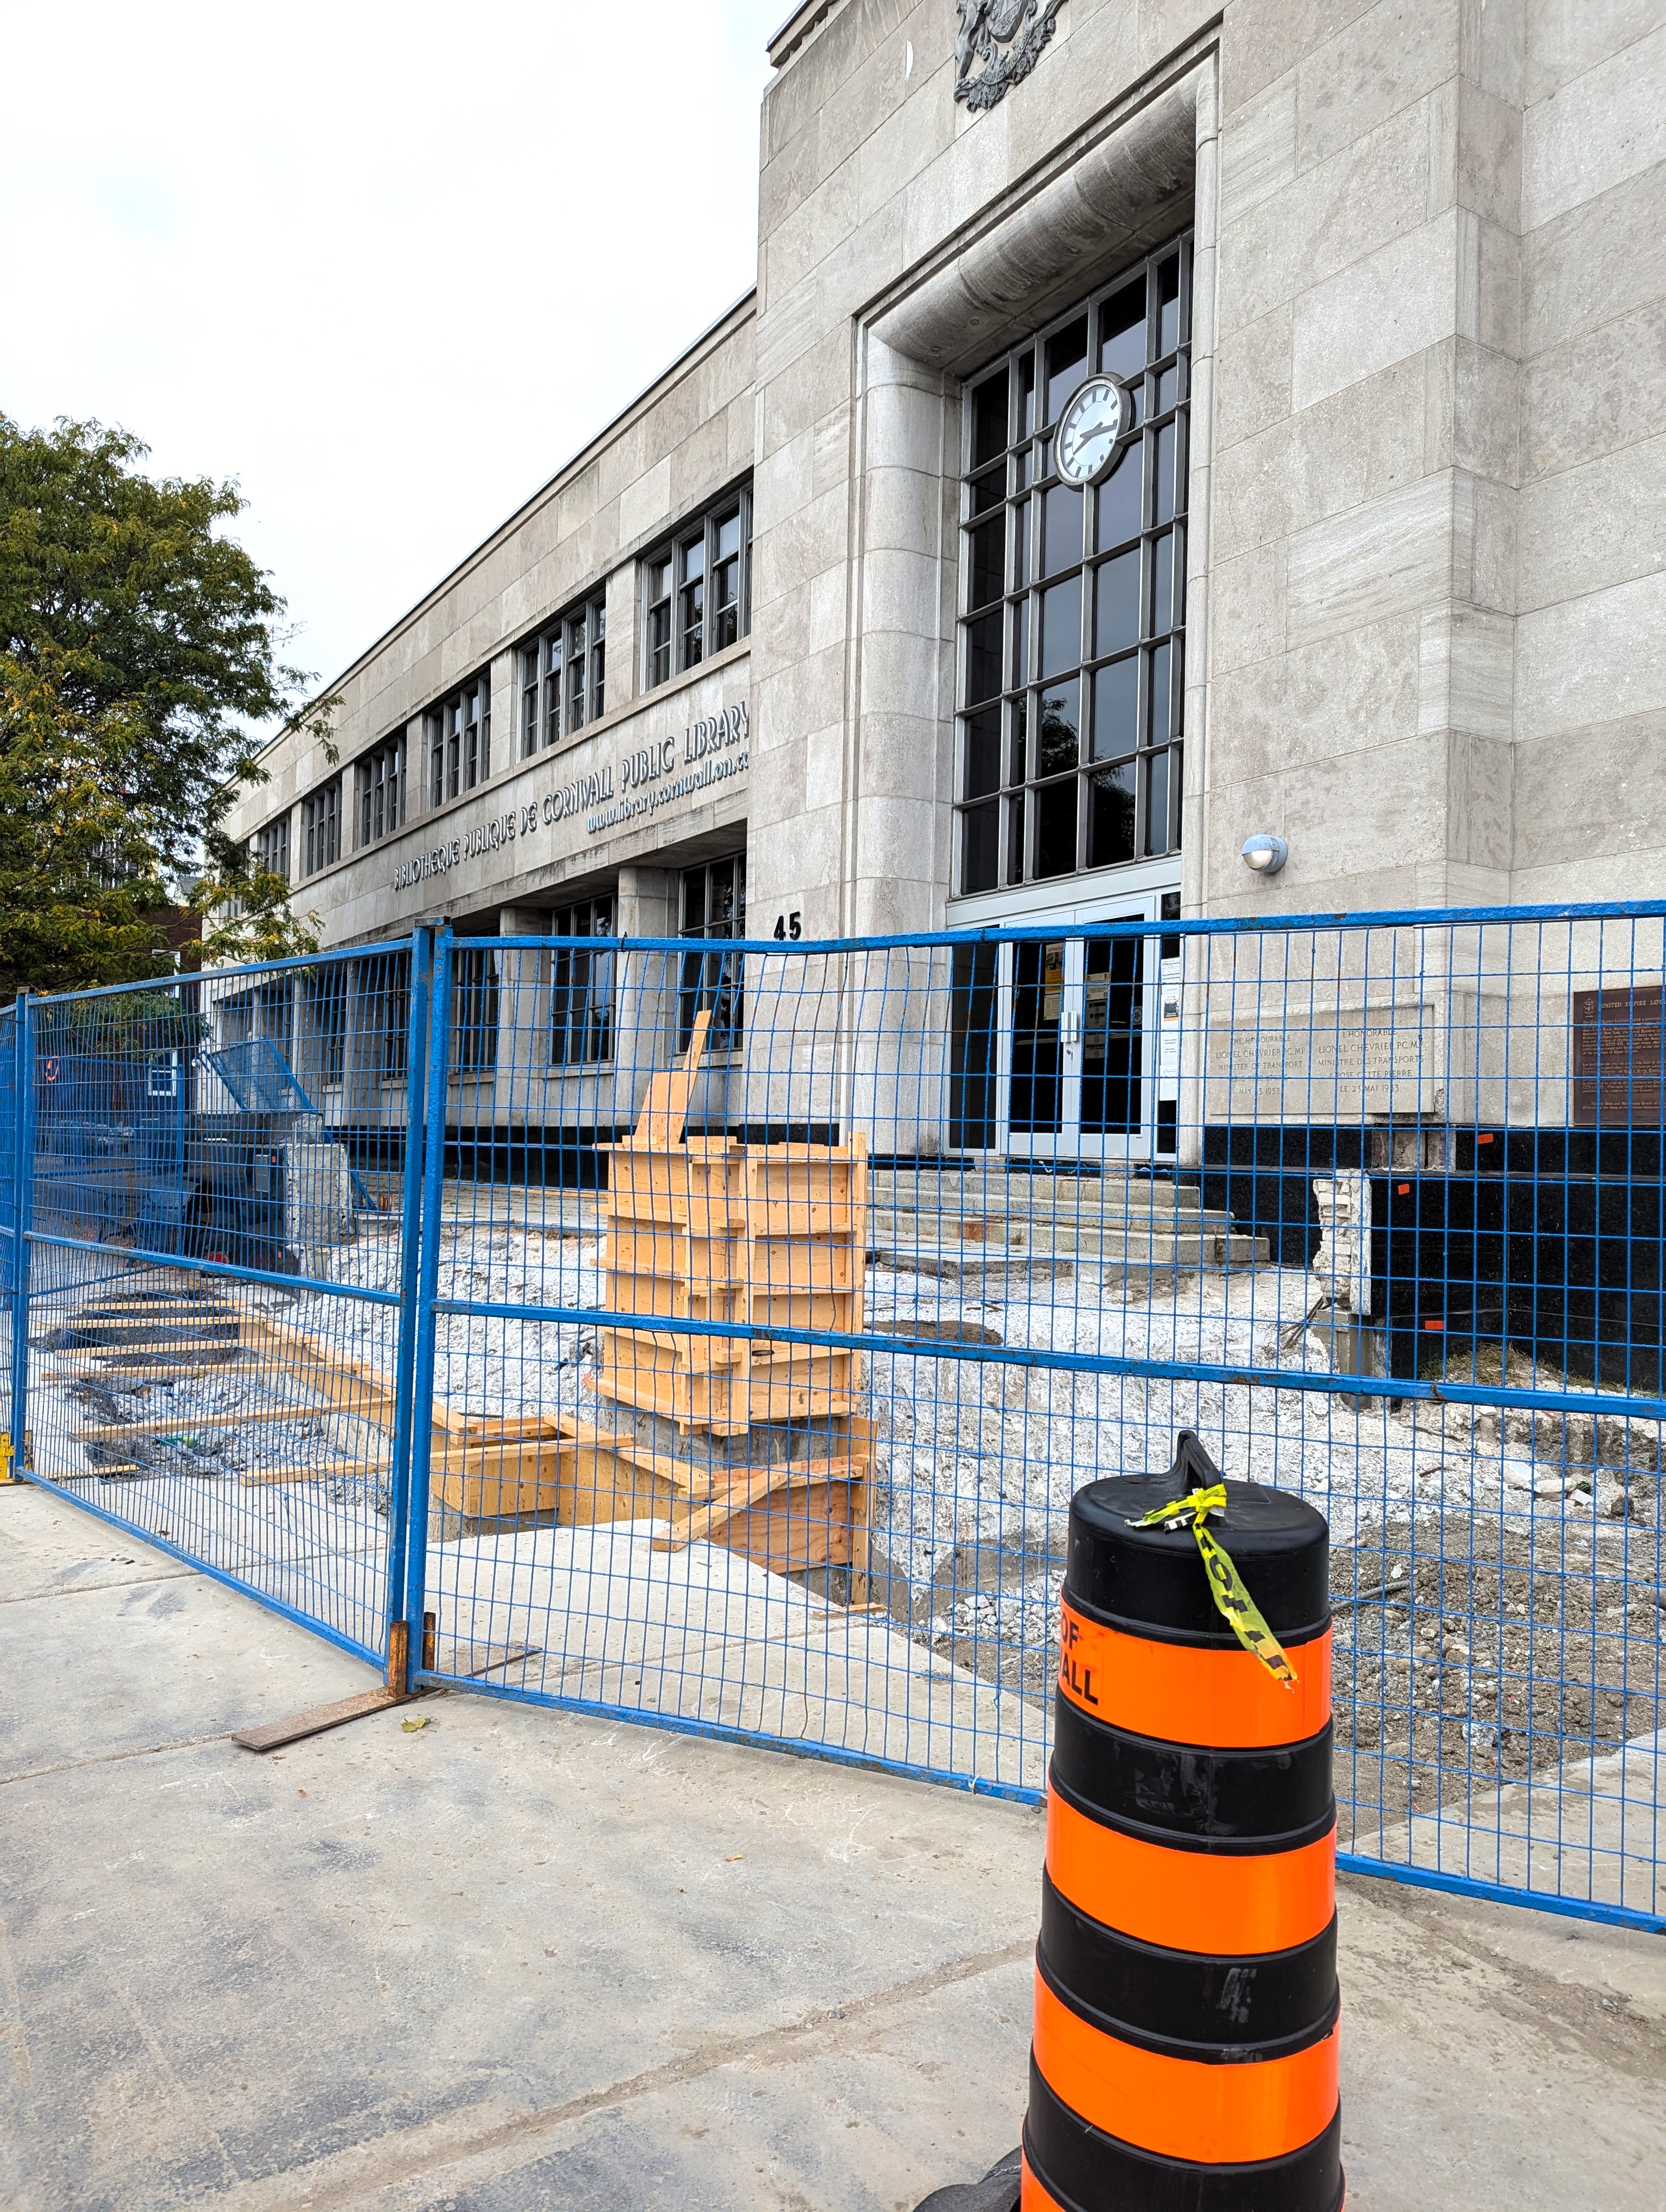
<point>1265,852</point>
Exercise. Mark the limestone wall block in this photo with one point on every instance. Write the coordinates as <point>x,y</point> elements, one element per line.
<point>1387,306</point>
<point>1392,554</point>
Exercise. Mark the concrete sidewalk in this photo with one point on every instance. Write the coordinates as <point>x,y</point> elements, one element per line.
<point>518,1959</point>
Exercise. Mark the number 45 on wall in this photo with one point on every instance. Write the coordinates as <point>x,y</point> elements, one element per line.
<point>787,925</point>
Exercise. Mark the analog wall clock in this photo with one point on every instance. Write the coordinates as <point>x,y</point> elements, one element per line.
<point>1093,430</point>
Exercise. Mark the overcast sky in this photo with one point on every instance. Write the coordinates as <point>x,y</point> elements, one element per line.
<point>388,267</point>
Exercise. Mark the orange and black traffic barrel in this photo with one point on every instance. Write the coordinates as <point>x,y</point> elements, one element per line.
<point>1184,2056</point>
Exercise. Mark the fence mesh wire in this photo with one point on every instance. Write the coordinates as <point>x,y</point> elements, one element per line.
<point>761,1307</point>
<point>214,1257</point>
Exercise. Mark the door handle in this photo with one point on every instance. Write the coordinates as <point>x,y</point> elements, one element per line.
<point>1070,1028</point>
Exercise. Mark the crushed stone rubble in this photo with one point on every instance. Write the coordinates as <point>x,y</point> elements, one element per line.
<point>978,1453</point>
<point>976,1461</point>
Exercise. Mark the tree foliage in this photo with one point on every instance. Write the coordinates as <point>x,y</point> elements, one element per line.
<point>139,658</point>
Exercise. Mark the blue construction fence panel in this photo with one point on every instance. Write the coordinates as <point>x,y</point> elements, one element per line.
<point>764,1303</point>
<point>215,1288</point>
<point>10,1236</point>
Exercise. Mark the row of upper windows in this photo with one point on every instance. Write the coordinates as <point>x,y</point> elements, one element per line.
<point>695,600</point>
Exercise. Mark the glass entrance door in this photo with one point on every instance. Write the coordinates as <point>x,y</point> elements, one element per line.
<point>1077,1087</point>
<point>1054,1051</point>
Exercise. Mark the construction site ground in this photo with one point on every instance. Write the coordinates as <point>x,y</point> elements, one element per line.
<point>517,1957</point>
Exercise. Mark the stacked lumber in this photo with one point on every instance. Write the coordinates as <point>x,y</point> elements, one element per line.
<point>764,1239</point>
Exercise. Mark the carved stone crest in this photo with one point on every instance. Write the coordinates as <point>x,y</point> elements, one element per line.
<point>999,42</point>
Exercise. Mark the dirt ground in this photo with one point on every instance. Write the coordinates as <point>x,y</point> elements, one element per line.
<point>1468,1656</point>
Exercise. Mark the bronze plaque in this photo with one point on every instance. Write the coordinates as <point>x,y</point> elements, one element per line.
<point>1619,1059</point>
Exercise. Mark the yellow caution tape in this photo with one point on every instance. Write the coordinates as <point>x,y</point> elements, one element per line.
<point>1243,1615</point>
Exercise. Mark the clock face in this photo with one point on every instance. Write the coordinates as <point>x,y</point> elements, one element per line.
<point>1092,429</point>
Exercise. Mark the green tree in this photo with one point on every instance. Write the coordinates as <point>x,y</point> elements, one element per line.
<point>139,659</point>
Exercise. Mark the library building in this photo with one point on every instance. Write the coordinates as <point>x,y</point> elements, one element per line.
<point>1178,460</point>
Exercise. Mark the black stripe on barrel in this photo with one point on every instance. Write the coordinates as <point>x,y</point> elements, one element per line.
<point>1084,2169</point>
<point>1274,1798</point>
<point>1186,1996</point>
<point>1189,1840</point>
<point>1238,2050</point>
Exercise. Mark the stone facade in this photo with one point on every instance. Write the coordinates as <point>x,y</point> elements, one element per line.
<point>1427,489</point>
<point>1426,551</point>
<point>686,442</point>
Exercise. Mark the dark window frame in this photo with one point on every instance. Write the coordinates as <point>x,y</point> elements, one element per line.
<point>381,1016</point>
<point>1038,801</point>
<point>458,731</point>
<point>581,984</point>
<point>320,827</point>
<point>325,990</point>
<point>271,846</point>
<point>696,590</point>
<point>553,708</point>
<point>476,1009</point>
<point>713,905</point>
<point>380,784</point>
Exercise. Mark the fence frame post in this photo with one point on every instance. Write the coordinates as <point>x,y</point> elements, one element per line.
<point>427,1277</point>
<point>399,1634</point>
<point>22,1215</point>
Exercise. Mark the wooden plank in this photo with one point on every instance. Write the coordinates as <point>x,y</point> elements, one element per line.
<point>665,1109</point>
<point>500,1481</point>
<point>475,1429</point>
<point>861,1433</point>
<point>151,1370</point>
<point>110,1429</point>
<point>127,1351</point>
<point>133,1311</point>
<point>149,1367</point>
<point>786,1532</point>
<point>475,1439</point>
<point>859,1241</point>
<point>603,1486</point>
<point>761,1483</point>
<point>680,1474</point>
<point>698,1526</point>
<point>353,1385</point>
<point>328,1471</point>
<point>272,1735</point>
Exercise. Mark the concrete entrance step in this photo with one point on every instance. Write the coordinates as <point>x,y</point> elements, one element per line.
<point>1117,1219</point>
<point>954,1191</point>
<point>1218,1247</point>
<point>896,1245</point>
<point>1024,1226</point>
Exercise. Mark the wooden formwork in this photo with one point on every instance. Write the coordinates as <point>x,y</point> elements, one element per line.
<point>774,1237</point>
<point>794,1515</point>
<point>759,1238</point>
